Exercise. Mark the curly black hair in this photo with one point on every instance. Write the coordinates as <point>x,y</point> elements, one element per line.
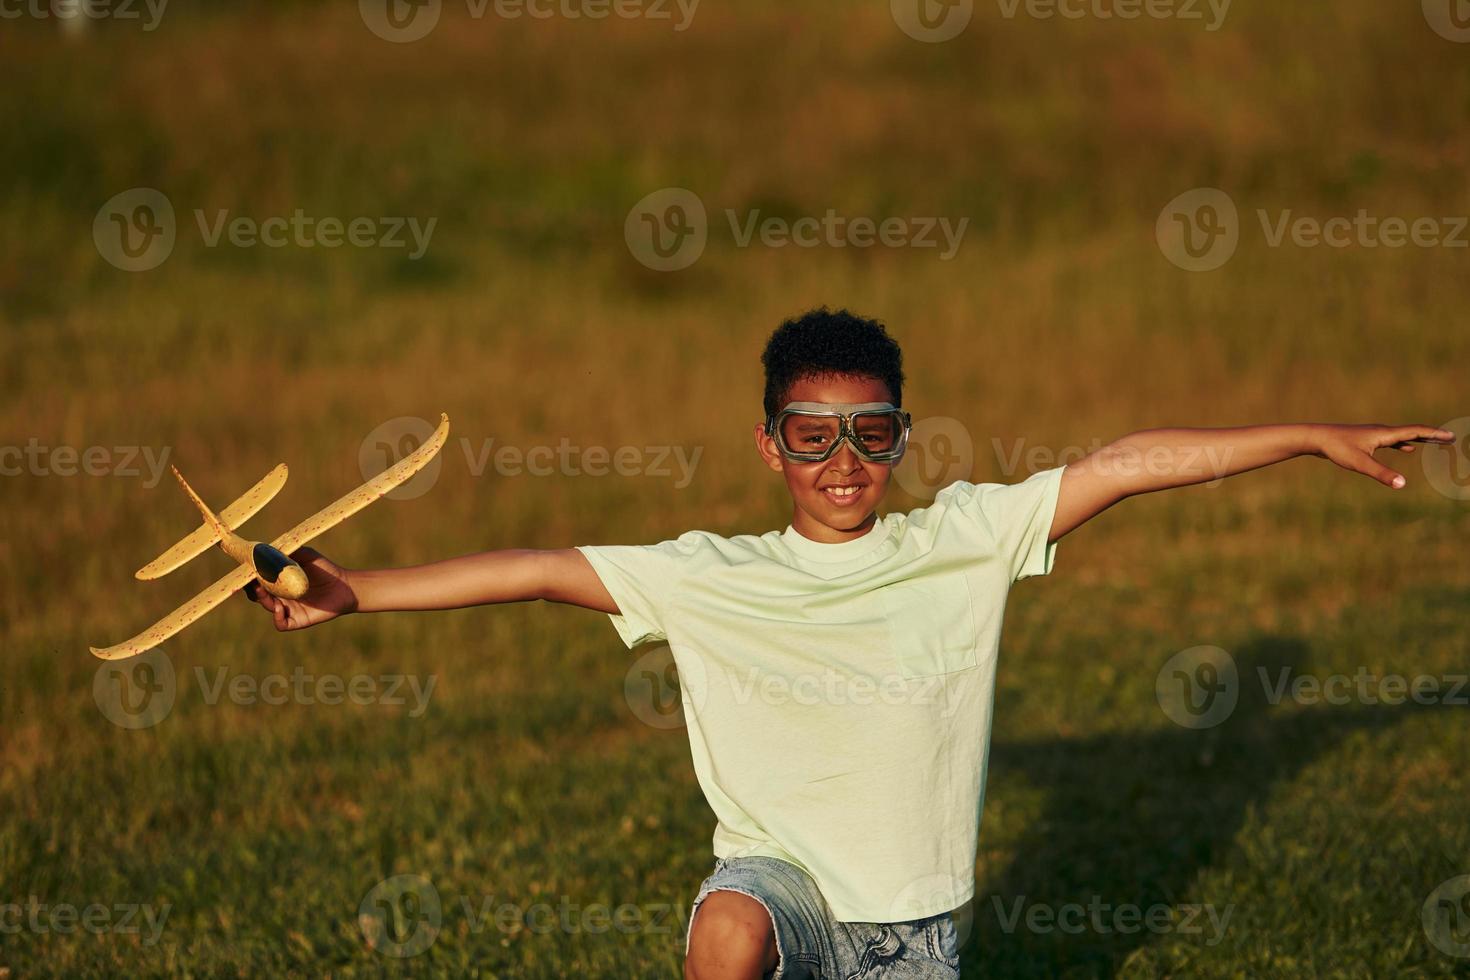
<point>823,343</point>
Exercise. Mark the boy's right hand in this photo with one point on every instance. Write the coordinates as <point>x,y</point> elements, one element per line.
<point>329,594</point>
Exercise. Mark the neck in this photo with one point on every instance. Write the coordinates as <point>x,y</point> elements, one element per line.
<point>809,527</point>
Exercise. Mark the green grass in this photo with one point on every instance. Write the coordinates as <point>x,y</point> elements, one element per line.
<point>528,779</point>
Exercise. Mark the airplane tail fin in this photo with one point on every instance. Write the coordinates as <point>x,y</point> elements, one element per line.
<point>210,520</point>
<point>215,527</point>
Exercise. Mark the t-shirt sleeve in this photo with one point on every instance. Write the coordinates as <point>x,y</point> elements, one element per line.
<point>1018,517</point>
<point>642,580</point>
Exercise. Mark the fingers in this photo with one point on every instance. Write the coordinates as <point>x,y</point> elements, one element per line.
<point>278,608</point>
<point>311,558</point>
<point>1405,434</point>
<point>1384,475</point>
<point>259,596</point>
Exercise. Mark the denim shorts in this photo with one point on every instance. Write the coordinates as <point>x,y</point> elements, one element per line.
<point>812,944</point>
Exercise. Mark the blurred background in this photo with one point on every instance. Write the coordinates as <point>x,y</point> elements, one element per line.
<point>233,235</point>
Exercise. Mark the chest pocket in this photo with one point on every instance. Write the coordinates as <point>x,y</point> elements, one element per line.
<point>930,626</point>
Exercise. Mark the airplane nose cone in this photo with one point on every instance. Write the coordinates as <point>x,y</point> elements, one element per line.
<point>292,582</point>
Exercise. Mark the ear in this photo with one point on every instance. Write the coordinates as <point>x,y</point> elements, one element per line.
<point>766,446</point>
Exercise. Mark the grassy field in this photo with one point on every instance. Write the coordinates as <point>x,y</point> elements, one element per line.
<point>1320,829</point>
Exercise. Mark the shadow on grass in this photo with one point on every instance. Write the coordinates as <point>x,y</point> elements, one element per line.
<point>1133,818</point>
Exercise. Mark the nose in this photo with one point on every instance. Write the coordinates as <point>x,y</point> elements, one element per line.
<point>844,460</point>
<point>291,583</point>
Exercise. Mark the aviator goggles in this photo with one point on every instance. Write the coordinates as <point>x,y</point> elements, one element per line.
<point>810,432</point>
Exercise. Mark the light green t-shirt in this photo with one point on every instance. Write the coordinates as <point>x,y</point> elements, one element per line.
<point>838,697</point>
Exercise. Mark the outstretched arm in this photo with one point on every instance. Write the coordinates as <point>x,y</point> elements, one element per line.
<point>1158,459</point>
<point>562,575</point>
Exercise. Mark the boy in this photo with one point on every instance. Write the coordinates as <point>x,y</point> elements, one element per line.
<point>838,676</point>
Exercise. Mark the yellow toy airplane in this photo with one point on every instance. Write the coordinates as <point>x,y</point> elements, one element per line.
<point>267,563</point>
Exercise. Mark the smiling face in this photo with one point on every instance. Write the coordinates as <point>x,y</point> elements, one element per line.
<point>834,500</point>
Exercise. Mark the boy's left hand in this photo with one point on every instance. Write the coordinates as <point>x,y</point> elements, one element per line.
<point>1352,446</point>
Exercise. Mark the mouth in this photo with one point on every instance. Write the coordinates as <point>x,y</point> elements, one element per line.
<point>843,496</point>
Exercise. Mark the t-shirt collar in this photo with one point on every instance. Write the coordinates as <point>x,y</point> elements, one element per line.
<point>841,551</point>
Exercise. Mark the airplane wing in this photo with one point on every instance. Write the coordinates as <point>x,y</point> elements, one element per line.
<point>314,525</point>
<point>334,514</point>
<point>203,537</point>
<point>180,617</point>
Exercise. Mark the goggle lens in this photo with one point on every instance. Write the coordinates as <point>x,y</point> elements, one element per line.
<point>813,435</point>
